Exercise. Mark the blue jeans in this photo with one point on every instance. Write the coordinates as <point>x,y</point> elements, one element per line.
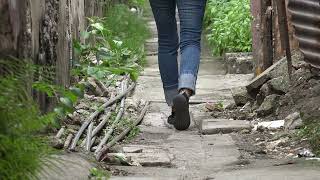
<point>191,14</point>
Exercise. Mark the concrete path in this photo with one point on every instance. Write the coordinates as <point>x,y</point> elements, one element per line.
<point>168,154</point>
<point>205,151</point>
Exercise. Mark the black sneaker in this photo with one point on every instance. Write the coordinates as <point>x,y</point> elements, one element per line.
<point>182,116</point>
<point>169,123</point>
<point>171,118</point>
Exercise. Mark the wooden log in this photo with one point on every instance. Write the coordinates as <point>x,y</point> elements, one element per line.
<point>90,128</point>
<point>68,141</point>
<point>96,113</point>
<point>100,126</point>
<point>114,124</point>
<point>121,136</point>
<point>60,133</point>
<point>97,129</point>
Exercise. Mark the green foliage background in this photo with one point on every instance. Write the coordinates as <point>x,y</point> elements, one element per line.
<point>116,41</point>
<point>229,25</point>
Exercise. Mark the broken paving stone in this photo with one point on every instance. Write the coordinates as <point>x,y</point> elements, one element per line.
<point>151,159</point>
<point>240,95</point>
<point>132,149</point>
<point>265,91</point>
<point>268,106</point>
<point>216,126</point>
<point>293,121</point>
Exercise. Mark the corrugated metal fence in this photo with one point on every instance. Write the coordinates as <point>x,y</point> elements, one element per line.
<point>304,31</point>
<point>306,22</point>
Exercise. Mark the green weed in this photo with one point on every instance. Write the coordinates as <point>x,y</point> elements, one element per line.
<point>99,174</point>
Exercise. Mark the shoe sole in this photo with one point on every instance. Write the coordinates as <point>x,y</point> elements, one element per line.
<point>182,121</point>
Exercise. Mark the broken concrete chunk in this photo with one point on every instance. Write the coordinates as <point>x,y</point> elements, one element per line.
<point>280,84</point>
<point>132,149</point>
<point>268,106</point>
<point>265,91</point>
<point>271,72</point>
<point>240,95</point>
<point>293,121</point>
<point>216,126</point>
<point>278,69</point>
<point>271,125</point>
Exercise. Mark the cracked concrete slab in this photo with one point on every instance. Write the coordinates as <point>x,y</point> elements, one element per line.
<point>67,166</point>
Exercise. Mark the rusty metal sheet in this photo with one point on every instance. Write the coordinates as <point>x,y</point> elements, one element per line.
<point>306,22</point>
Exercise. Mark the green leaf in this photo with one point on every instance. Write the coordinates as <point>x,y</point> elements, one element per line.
<point>85,34</point>
<point>59,111</point>
<point>77,91</point>
<point>66,102</point>
<point>98,26</point>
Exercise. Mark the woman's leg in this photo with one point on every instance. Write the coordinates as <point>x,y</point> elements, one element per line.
<point>191,14</point>
<point>164,13</point>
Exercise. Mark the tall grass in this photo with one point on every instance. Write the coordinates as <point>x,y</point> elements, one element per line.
<point>22,150</point>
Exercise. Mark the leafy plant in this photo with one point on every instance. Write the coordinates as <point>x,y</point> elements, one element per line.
<point>66,97</point>
<point>22,150</point>
<point>102,54</point>
<point>229,22</point>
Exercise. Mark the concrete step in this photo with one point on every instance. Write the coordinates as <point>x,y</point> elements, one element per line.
<point>151,45</point>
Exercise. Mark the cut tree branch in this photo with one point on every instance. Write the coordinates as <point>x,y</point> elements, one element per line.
<point>114,124</point>
<point>88,146</point>
<point>121,136</point>
<point>97,112</point>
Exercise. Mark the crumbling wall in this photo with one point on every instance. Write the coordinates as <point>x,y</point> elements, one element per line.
<point>43,30</point>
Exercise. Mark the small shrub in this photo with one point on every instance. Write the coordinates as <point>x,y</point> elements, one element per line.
<point>229,22</point>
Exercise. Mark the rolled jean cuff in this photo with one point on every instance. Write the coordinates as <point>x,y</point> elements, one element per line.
<point>188,81</point>
<point>170,93</point>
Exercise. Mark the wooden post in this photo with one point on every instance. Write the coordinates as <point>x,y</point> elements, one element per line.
<point>284,32</point>
<point>266,55</point>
